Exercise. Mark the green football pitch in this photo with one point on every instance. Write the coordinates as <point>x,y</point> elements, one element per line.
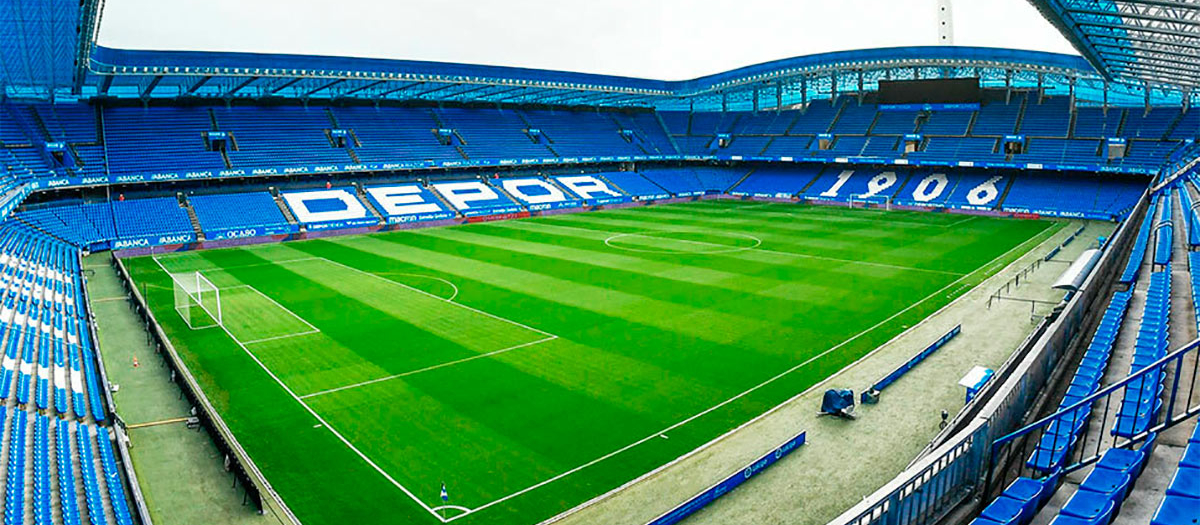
<point>531,365</point>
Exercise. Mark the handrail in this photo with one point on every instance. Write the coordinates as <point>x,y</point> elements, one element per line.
<point>1102,393</point>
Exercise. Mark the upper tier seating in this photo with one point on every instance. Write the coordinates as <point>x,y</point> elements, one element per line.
<point>1094,122</point>
<point>581,133</point>
<point>158,139</point>
<point>952,123</point>
<point>1152,124</point>
<point>816,118</point>
<point>388,134</point>
<point>996,117</point>
<point>1049,118</point>
<point>147,142</point>
<point>279,135</point>
<point>491,133</point>
<point>855,118</point>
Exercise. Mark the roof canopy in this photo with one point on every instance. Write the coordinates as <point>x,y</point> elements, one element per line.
<point>50,53</point>
<point>1141,41</point>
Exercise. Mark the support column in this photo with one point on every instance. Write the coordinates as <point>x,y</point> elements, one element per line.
<point>778,96</point>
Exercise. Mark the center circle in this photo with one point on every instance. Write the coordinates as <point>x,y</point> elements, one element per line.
<point>680,242</point>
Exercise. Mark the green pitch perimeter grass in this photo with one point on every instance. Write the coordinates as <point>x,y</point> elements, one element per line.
<point>531,365</point>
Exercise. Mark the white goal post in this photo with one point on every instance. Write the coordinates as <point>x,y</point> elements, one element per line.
<point>859,201</point>
<point>197,300</point>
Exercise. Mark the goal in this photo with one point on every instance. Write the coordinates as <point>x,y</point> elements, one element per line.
<point>878,201</point>
<point>197,300</point>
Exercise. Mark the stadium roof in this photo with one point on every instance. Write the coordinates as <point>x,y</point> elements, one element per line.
<point>1148,41</point>
<point>44,45</point>
<point>51,53</point>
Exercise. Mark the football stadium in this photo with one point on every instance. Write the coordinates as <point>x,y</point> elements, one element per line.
<point>930,284</point>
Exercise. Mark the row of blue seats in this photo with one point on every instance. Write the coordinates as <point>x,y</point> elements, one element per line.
<point>1138,254</point>
<point>1139,408</point>
<point>112,478</point>
<point>14,487</point>
<point>1098,499</point>
<point>41,470</point>
<point>1190,223</point>
<point>1059,437</point>
<point>1164,238</point>
<point>1181,503</point>
<point>236,210</point>
<point>91,485</point>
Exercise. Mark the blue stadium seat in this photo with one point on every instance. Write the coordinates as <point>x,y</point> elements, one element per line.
<point>1177,510</point>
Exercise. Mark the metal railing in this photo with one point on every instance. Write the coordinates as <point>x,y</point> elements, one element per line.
<point>1042,447</point>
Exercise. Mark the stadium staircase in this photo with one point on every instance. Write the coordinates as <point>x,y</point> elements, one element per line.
<point>287,212</point>
<point>970,132</point>
<point>445,203</point>
<point>500,189</point>
<point>366,202</point>
<point>191,213</point>
<point>667,132</point>
<point>837,115</point>
<point>1009,181</point>
<point>1020,115</point>
<point>611,184</point>
<point>741,180</point>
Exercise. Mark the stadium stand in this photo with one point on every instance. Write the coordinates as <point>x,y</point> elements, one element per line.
<point>236,210</point>
<point>136,218</point>
<point>41,325</point>
<point>778,182</point>
<point>1073,195</point>
<point>635,184</point>
<point>998,117</point>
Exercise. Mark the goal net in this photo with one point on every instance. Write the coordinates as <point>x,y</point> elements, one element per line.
<point>197,300</point>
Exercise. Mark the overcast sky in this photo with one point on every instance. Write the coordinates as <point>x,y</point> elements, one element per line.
<point>660,39</point>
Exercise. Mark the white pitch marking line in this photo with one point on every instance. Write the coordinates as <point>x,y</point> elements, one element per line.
<point>423,292</point>
<point>727,249</point>
<point>452,507</point>
<point>236,266</point>
<point>278,337</point>
<point>325,423</point>
<point>428,368</point>
<point>430,277</point>
<point>966,220</point>
<point>739,396</point>
<point>276,303</point>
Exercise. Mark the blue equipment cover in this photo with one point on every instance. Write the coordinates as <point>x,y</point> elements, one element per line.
<point>837,401</point>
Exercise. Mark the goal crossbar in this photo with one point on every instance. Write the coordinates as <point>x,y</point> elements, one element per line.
<point>195,291</point>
